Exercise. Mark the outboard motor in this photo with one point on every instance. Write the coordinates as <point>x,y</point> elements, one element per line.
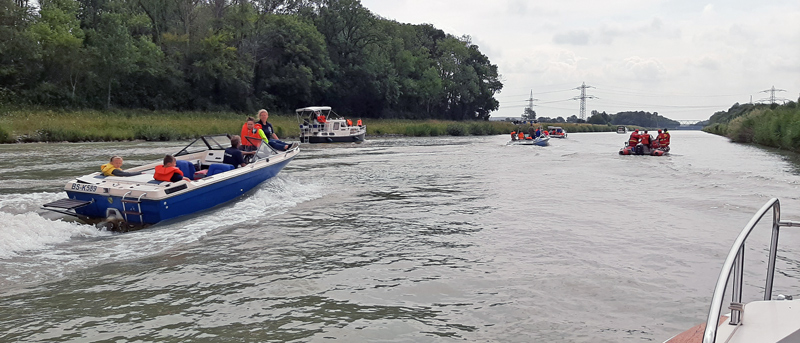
<point>113,222</point>
<point>639,150</point>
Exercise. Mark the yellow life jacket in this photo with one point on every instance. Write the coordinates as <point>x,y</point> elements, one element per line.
<point>107,169</point>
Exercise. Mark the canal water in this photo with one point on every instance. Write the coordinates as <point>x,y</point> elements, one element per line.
<point>401,240</point>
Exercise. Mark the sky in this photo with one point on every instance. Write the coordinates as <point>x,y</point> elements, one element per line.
<point>684,59</point>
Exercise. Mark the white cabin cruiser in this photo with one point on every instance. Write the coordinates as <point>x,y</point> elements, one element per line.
<point>320,124</point>
<point>772,320</point>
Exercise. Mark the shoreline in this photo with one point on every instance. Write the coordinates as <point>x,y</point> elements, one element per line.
<point>83,126</point>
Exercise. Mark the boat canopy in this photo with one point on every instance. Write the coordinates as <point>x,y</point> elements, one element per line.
<point>313,108</point>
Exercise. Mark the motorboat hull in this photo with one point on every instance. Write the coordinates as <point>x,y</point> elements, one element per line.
<point>181,204</point>
<point>337,139</point>
<point>643,151</point>
<point>538,141</point>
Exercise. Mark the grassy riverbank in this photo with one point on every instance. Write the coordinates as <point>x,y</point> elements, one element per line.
<point>774,126</point>
<point>47,125</point>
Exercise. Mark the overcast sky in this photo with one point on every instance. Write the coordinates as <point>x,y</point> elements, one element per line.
<point>684,59</point>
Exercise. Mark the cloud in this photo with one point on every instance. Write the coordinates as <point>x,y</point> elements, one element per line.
<point>706,62</point>
<point>578,37</point>
<point>641,69</point>
<point>708,9</point>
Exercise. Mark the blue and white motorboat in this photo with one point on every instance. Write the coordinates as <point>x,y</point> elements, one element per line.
<point>135,201</point>
<point>543,140</point>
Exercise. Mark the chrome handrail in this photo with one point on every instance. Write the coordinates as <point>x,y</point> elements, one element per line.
<point>735,262</point>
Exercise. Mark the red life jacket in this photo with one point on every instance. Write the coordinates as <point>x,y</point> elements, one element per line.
<point>251,133</point>
<point>634,139</point>
<point>646,139</point>
<point>665,142</point>
<point>165,173</point>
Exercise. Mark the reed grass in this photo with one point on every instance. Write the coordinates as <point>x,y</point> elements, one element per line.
<point>53,125</point>
<point>777,127</point>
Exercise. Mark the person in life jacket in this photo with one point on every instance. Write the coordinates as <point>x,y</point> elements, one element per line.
<point>251,129</point>
<point>645,139</point>
<point>634,138</point>
<point>359,123</point>
<point>513,135</point>
<point>114,168</point>
<point>521,135</point>
<point>168,171</point>
<point>665,140</point>
<point>657,142</point>
<point>349,122</point>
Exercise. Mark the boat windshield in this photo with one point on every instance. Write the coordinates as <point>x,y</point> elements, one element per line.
<point>264,151</point>
<point>216,142</point>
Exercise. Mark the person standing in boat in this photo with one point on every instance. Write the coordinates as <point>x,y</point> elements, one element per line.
<point>268,134</point>
<point>168,171</point>
<point>114,168</point>
<point>233,155</point>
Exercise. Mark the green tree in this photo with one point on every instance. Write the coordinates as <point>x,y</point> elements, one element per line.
<point>60,36</point>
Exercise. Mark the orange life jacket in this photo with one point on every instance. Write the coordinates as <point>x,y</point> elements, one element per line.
<point>165,173</point>
<point>634,139</point>
<point>359,122</point>
<point>521,135</point>
<point>321,119</point>
<point>646,139</point>
<point>349,122</point>
<point>665,141</point>
<point>251,133</point>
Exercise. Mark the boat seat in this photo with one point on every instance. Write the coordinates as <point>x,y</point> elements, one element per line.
<point>219,168</point>
<point>186,167</point>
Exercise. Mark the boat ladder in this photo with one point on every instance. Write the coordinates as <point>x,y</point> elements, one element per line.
<point>137,201</point>
<point>735,263</point>
<point>305,136</point>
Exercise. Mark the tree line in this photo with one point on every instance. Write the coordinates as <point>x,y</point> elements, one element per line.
<point>638,118</point>
<point>239,55</point>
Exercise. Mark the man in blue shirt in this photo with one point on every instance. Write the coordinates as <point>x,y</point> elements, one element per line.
<point>233,155</point>
<point>272,138</point>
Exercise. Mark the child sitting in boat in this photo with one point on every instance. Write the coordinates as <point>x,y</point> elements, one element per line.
<point>168,171</point>
<point>114,168</point>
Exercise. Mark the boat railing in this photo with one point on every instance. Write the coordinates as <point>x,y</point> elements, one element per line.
<point>735,263</point>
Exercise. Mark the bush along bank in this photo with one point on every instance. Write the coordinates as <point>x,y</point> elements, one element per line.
<point>775,126</point>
